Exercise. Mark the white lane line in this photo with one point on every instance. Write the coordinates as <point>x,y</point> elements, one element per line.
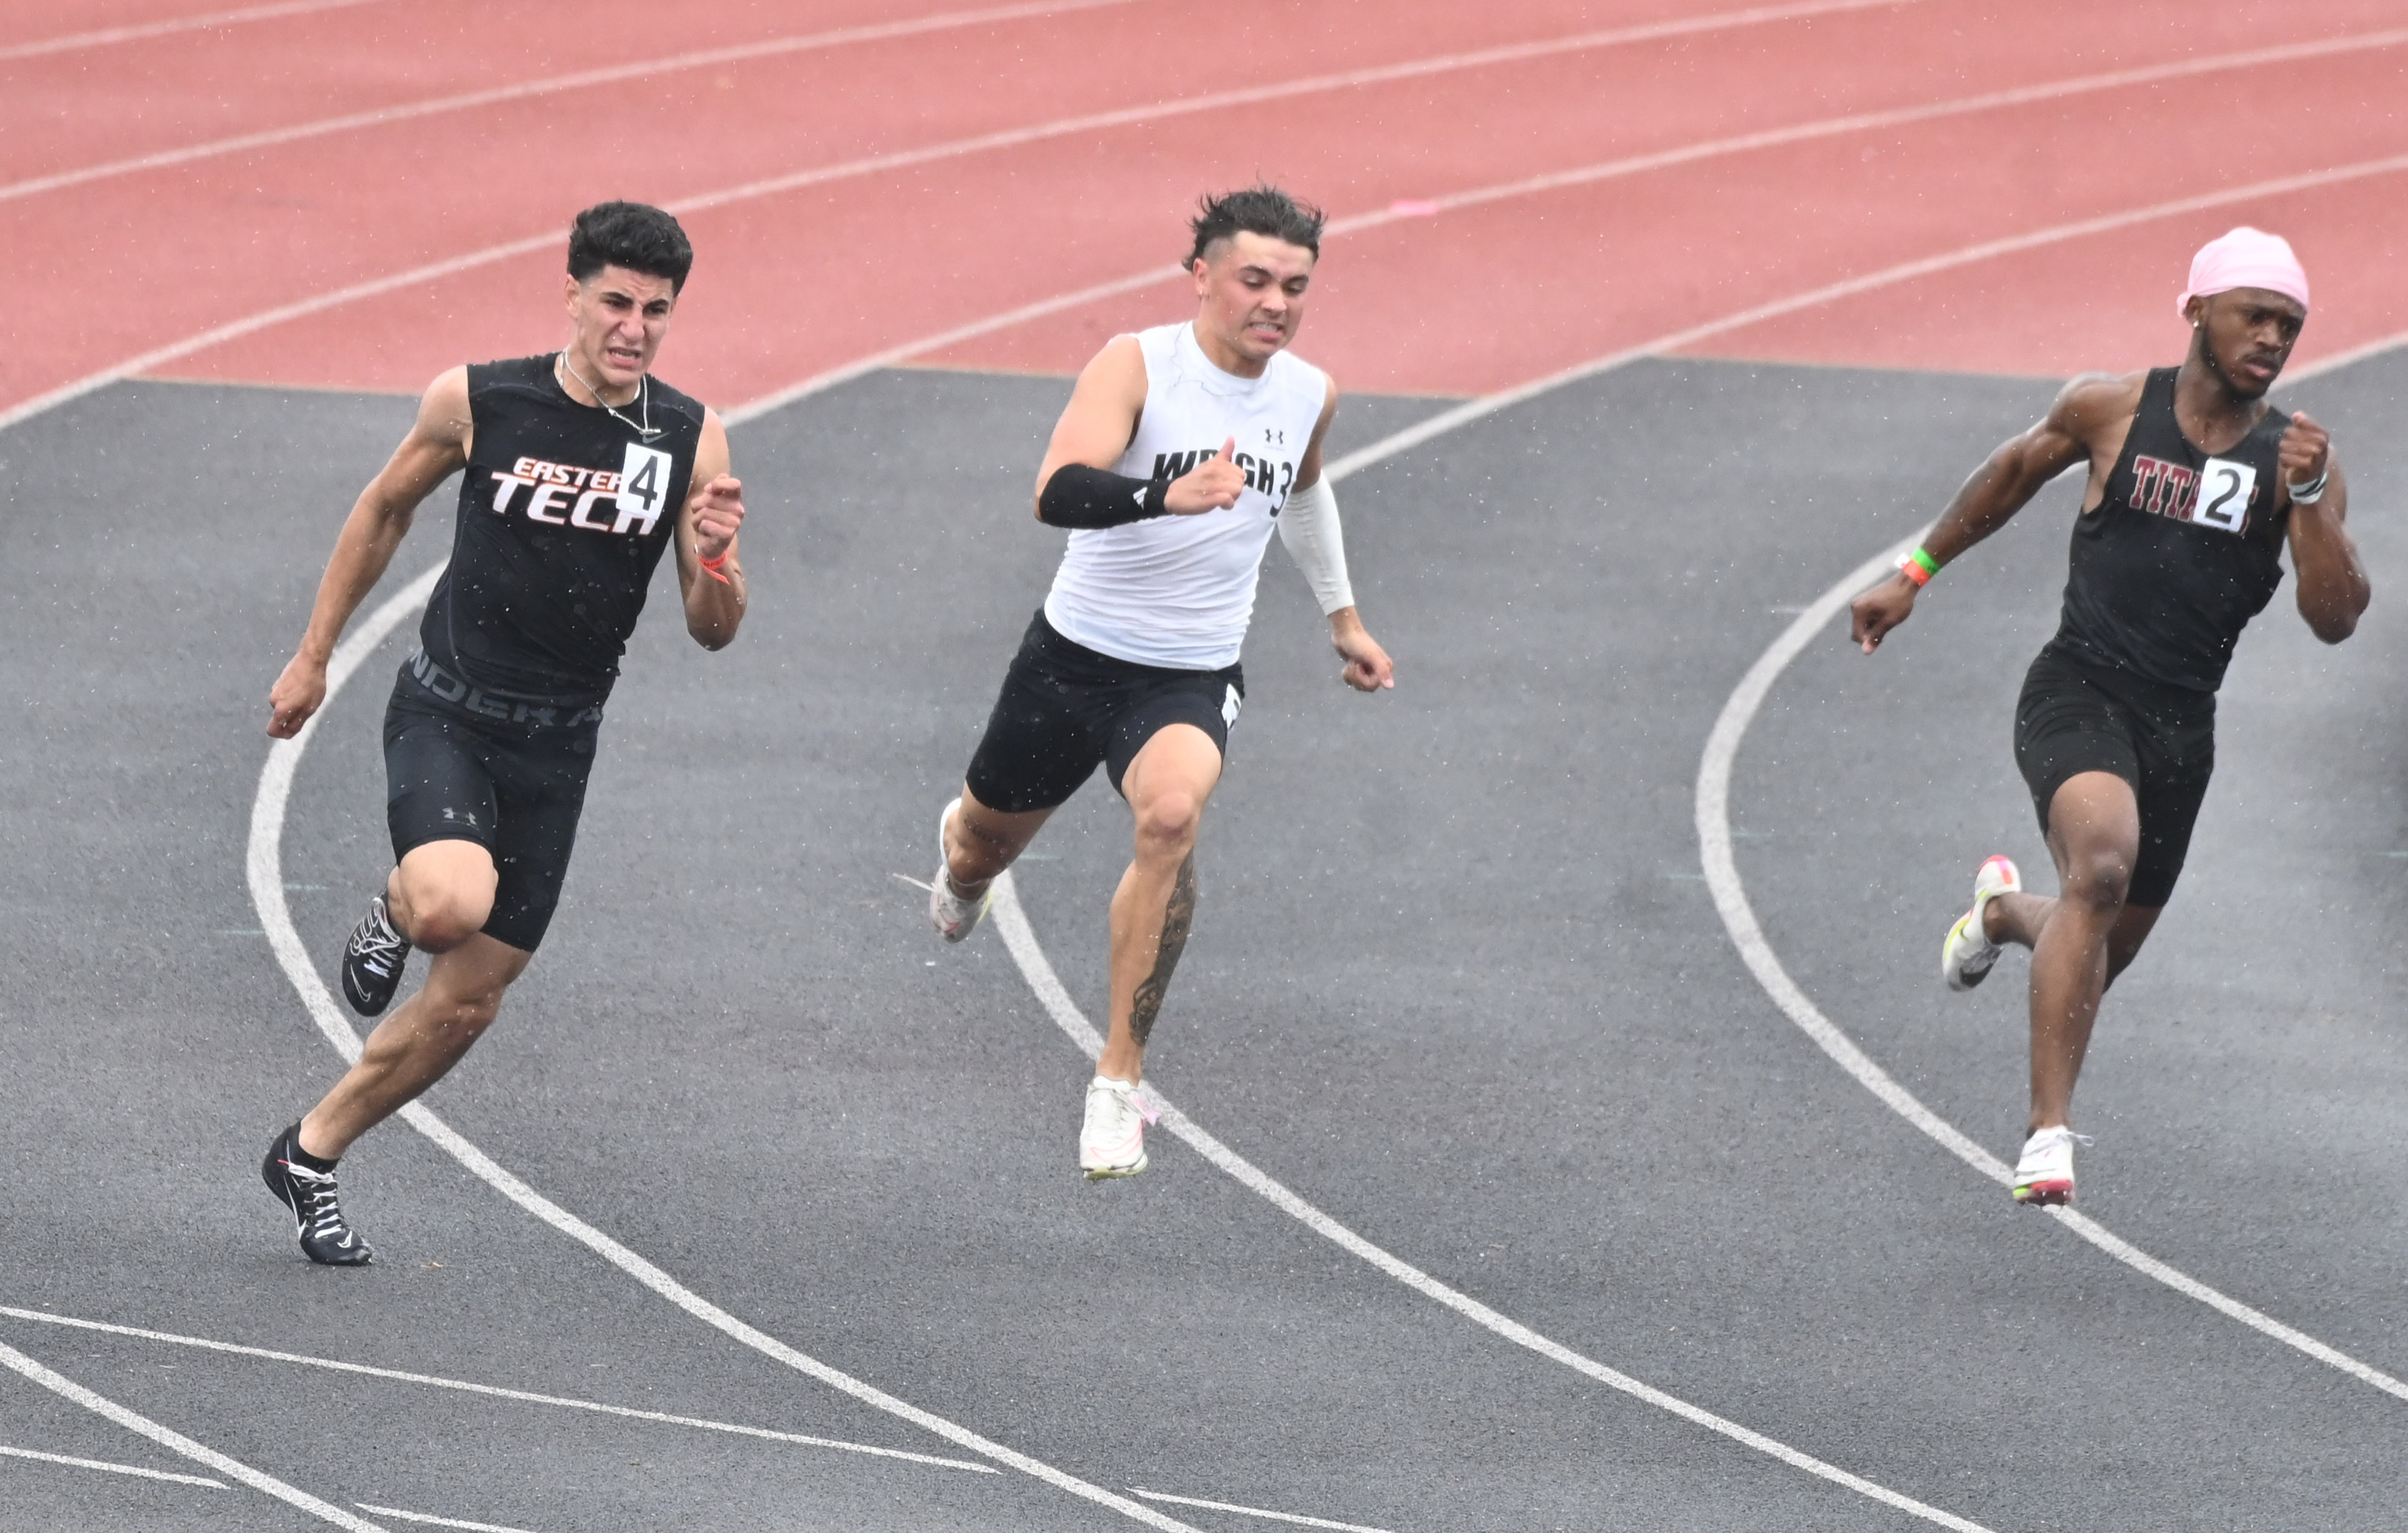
<point>1488,405</point>
<point>471,260</point>
<point>1739,919</point>
<point>453,266</point>
<point>2339,360</point>
<point>494,1391</point>
<point>432,1520</point>
<point>1255,1512</point>
<point>1590,175</point>
<point>109,1468</point>
<point>582,80</point>
<point>1011,923</point>
<point>211,22</point>
<point>265,867</point>
<point>176,1442</point>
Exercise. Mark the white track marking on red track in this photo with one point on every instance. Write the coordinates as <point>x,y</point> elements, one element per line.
<point>432,1520</point>
<point>582,80</point>
<point>1012,924</point>
<point>494,1390</point>
<point>468,261</point>
<point>109,35</point>
<point>1255,1512</point>
<point>106,1466</point>
<point>177,1442</point>
<point>1988,250</point>
<point>1739,919</point>
<point>265,866</point>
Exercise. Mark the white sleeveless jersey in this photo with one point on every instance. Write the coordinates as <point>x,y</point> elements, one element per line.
<point>1177,591</point>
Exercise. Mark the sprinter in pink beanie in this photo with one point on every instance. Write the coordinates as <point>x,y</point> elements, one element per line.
<point>2196,486</point>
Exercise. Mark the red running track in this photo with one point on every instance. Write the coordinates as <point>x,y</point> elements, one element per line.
<point>1488,294</point>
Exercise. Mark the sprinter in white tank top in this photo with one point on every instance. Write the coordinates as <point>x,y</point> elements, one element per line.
<point>1182,450</point>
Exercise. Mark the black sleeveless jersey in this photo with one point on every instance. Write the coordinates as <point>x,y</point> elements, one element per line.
<point>565,512</point>
<point>2183,550</point>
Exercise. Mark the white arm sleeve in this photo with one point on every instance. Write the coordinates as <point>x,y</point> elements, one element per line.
<point>1308,524</point>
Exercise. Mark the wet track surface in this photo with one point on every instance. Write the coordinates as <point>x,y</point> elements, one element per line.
<point>1455,978</point>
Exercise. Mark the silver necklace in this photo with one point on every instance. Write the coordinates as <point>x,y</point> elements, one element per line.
<point>643,392</point>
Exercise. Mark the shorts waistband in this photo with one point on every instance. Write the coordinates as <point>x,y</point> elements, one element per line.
<point>1060,649</point>
<point>531,713</point>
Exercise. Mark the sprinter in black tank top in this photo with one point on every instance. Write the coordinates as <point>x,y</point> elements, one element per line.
<point>581,470</point>
<point>2196,487</point>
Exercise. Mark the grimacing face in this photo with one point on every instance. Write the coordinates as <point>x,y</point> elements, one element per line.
<point>2245,336</point>
<point>618,318</point>
<point>1250,290</point>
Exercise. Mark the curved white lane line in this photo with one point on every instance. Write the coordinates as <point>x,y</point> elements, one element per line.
<point>2339,360</point>
<point>1011,924</point>
<point>490,1390</point>
<point>1739,919</point>
<point>175,1442</point>
<point>467,261</point>
<point>530,88</point>
<point>265,867</point>
<point>211,22</point>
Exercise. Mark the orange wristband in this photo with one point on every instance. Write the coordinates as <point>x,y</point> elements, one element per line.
<point>713,566</point>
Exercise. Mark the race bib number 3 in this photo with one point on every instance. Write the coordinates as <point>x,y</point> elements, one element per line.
<point>643,489</point>
<point>2225,490</point>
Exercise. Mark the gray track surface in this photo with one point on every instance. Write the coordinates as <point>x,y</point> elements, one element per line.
<point>1455,978</point>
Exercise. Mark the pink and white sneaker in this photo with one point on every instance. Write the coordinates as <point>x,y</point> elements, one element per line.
<point>1113,1142</point>
<point>1966,957</point>
<point>2044,1174</point>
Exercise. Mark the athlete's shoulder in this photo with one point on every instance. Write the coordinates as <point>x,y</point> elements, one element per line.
<point>509,372</point>
<point>669,399</point>
<point>2098,399</point>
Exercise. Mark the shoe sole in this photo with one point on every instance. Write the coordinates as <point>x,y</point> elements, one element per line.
<point>1960,980</point>
<point>1106,1173</point>
<point>2045,1194</point>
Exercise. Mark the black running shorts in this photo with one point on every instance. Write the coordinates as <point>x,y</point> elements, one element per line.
<point>1064,709</point>
<point>2072,720</point>
<point>515,789</point>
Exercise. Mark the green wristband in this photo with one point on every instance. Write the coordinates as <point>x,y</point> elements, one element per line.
<point>1930,565</point>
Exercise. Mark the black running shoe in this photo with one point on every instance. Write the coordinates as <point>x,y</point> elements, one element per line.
<point>372,961</point>
<point>317,1212</point>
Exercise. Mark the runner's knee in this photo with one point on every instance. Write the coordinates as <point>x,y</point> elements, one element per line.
<point>2099,877</point>
<point>1166,822</point>
<point>444,916</point>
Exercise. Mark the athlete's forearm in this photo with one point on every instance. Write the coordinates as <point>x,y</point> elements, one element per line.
<point>714,611</point>
<point>362,551</point>
<point>2333,589</point>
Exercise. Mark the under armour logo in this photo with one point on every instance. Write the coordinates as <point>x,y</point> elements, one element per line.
<point>1280,436</point>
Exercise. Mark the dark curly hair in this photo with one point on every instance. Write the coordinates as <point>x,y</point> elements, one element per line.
<point>1260,209</point>
<point>631,235</point>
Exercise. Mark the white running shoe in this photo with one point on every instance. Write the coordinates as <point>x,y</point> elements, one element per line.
<point>953,914</point>
<point>1966,957</point>
<point>2045,1172</point>
<point>1113,1142</point>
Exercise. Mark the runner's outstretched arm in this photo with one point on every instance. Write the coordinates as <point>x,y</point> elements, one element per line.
<point>436,446</point>
<point>2333,589</point>
<point>709,576</point>
<point>2001,486</point>
<point>1368,667</point>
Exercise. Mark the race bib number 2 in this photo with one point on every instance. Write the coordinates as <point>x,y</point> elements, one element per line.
<point>643,489</point>
<point>2225,490</point>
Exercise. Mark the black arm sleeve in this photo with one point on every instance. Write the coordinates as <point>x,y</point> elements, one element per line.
<point>1078,496</point>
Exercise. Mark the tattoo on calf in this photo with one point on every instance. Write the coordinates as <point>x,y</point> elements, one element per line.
<point>1176,919</point>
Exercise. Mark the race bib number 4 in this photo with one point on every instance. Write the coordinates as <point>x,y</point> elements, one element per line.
<point>2225,491</point>
<point>643,490</point>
